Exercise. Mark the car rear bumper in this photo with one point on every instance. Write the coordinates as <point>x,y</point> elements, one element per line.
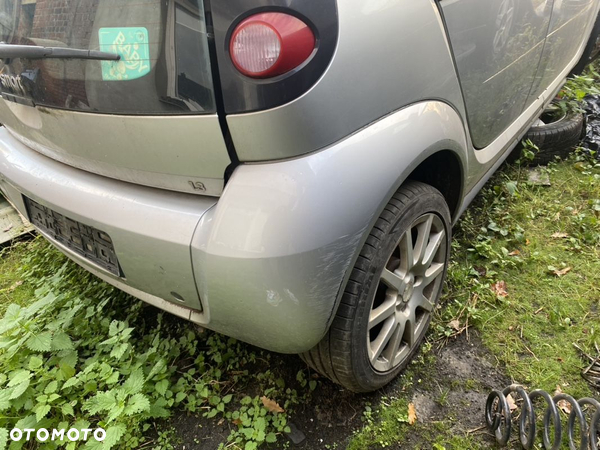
<point>267,262</point>
<point>246,269</point>
<point>151,229</point>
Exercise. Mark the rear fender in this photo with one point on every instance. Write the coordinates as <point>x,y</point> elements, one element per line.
<point>271,258</point>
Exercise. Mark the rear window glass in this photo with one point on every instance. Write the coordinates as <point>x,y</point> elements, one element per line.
<point>164,66</point>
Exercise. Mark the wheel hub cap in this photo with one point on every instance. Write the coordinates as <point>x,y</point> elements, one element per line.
<point>409,280</point>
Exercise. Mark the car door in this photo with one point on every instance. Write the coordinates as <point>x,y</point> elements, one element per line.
<point>497,46</point>
<point>567,34</point>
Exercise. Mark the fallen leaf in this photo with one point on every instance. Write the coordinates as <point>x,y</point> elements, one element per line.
<point>220,422</point>
<point>482,271</point>
<point>15,285</point>
<point>237,422</point>
<point>271,405</point>
<point>562,272</point>
<point>454,324</point>
<point>527,242</point>
<point>514,253</point>
<point>412,414</point>
<point>511,402</point>
<point>563,405</point>
<point>559,235</point>
<point>500,289</point>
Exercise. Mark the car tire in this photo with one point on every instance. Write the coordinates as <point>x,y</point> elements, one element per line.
<point>555,137</point>
<point>388,302</point>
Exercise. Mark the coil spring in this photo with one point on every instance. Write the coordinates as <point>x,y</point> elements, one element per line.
<point>499,420</point>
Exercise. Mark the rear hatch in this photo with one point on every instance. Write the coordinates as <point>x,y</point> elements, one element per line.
<point>148,118</point>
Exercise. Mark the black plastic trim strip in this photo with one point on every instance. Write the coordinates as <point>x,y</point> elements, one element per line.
<point>218,92</point>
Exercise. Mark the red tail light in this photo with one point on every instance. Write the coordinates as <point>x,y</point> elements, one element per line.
<point>270,44</point>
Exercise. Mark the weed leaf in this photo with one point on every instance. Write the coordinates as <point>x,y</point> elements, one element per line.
<point>102,401</point>
<point>4,398</point>
<point>19,389</point>
<point>134,383</point>
<point>41,411</point>
<point>61,341</point>
<point>3,438</point>
<point>113,435</point>
<point>19,377</point>
<point>40,343</point>
<point>137,403</point>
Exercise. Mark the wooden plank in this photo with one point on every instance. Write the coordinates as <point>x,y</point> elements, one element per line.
<point>12,224</point>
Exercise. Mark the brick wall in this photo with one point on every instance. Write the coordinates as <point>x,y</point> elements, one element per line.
<point>70,23</point>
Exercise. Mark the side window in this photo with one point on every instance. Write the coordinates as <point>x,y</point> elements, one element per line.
<point>497,45</point>
<point>565,38</point>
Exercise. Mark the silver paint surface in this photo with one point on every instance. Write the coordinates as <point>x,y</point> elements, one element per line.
<point>391,53</point>
<point>159,151</point>
<point>150,228</point>
<point>497,46</point>
<point>271,257</point>
<point>569,19</point>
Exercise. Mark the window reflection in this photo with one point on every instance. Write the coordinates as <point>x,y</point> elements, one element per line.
<point>170,36</point>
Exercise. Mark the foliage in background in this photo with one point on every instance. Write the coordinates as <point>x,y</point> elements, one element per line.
<point>573,93</point>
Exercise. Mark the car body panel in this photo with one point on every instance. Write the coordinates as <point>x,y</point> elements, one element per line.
<point>497,46</point>
<point>277,248</point>
<point>181,153</point>
<point>565,39</point>
<point>352,94</point>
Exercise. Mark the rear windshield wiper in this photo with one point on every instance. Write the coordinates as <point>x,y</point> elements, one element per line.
<point>8,51</point>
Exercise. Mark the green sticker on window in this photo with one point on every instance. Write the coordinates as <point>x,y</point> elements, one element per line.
<point>131,43</point>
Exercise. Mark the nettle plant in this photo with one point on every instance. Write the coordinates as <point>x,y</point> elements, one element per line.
<point>84,355</point>
<point>62,367</point>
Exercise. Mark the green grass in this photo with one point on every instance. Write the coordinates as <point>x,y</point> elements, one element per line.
<point>532,330</point>
<point>14,288</point>
<point>509,235</point>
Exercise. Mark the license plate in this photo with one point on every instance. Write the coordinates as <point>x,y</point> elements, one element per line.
<point>88,242</point>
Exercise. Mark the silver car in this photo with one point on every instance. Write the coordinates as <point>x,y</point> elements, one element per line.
<point>286,172</point>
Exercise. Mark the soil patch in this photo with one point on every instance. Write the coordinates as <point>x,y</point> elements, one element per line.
<point>453,390</point>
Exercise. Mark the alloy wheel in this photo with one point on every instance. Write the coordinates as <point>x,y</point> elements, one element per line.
<point>407,293</point>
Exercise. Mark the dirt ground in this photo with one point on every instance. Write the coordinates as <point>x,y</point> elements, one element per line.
<point>462,373</point>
